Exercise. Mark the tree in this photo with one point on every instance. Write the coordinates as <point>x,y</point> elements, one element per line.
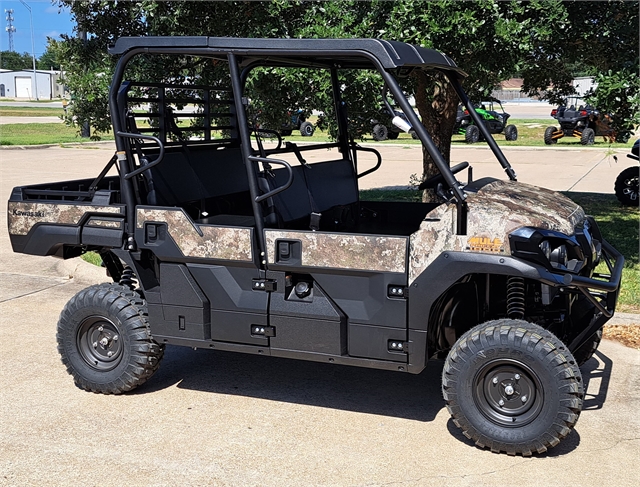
<point>15,61</point>
<point>490,40</point>
<point>49,58</point>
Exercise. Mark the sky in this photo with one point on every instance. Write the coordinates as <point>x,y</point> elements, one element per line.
<point>48,21</point>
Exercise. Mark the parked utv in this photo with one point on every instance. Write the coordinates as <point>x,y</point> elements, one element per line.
<point>584,123</point>
<point>494,118</point>
<point>219,241</point>
<point>626,185</point>
<point>383,131</point>
<point>297,120</point>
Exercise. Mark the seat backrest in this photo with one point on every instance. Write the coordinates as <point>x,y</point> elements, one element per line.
<point>330,184</point>
<point>191,174</point>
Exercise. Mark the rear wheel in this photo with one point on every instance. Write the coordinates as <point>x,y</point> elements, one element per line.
<point>548,136</point>
<point>626,186</point>
<point>306,129</point>
<point>513,387</point>
<point>472,134</point>
<point>104,339</point>
<point>379,132</point>
<point>393,135</point>
<point>588,137</point>
<point>511,132</point>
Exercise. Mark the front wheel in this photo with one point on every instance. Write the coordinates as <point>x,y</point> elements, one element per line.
<point>511,132</point>
<point>548,136</point>
<point>513,387</point>
<point>306,129</point>
<point>104,339</point>
<point>626,186</point>
<point>379,132</point>
<point>472,134</point>
<point>588,137</point>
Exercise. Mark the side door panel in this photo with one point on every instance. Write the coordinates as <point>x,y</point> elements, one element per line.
<point>210,265</point>
<point>356,274</point>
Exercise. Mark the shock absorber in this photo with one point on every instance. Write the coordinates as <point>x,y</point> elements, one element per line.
<point>128,278</point>
<point>515,297</point>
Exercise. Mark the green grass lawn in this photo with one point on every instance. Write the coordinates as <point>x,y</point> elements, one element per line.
<point>40,133</point>
<point>31,112</point>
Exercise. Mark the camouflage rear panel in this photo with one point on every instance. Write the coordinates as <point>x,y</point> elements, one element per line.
<point>226,243</point>
<point>344,251</point>
<point>495,211</point>
<point>23,216</point>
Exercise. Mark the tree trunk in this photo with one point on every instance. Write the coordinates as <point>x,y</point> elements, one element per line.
<point>437,104</point>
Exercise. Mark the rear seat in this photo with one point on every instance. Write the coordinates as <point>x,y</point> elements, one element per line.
<point>331,184</point>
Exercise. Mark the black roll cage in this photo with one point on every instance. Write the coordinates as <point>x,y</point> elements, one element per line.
<point>278,58</point>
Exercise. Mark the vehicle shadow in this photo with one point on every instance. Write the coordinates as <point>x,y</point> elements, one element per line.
<point>596,375</point>
<point>386,393</point>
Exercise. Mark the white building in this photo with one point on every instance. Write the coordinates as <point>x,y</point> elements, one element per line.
<point>20,84</point>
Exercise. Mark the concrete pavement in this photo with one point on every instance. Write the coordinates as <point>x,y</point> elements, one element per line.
<point>222,419</point>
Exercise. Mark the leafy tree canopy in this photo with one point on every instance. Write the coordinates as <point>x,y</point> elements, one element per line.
<point>543,41</point>
<point>15,61</point>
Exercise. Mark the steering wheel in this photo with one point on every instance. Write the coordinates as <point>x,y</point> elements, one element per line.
<point>433,181</point>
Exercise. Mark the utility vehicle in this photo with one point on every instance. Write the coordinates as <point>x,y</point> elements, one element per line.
<point>584,122</point>
<point>297,120</point>
<point>493,117</point>
<point>213,239</point>
<point>626,185</point>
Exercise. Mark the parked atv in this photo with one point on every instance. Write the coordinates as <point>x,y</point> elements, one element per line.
<point>494,118</point>
<point>626,185</point>
<point>584,123</point>
<point>297,121</point>
<point>382,131</point>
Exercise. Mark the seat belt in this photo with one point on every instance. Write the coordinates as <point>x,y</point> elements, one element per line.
<point>314,218</point>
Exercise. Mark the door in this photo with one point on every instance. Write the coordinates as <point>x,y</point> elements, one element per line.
<point>338,293</point>
<point>23,87</point>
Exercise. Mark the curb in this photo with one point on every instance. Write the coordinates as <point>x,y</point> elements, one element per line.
<point>74,145</point>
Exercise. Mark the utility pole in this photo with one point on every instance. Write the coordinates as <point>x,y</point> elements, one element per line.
<point>10,28</point>
<point>33,50</point>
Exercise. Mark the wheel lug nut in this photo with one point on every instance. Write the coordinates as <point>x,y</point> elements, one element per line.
<point>109,354</point>
<point>517,377</point>
<point>101,328</point>
<point>495,380</point>
<point>95,344</point>
<point>115,338</point>
<point>524,399</point>
<point>501,402</point>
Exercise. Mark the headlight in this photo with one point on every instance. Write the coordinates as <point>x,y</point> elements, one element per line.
<point>553,250</point>
<point>545,246</point>
<point>558,257</point>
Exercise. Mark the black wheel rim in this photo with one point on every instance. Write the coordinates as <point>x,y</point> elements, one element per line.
<point>99,343</point>
<point>508,393</point>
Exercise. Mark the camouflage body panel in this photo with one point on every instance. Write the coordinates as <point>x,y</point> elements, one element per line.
<point>23,216</point>
<point>98,222</point>
<point>495,211</point>
<point>201,241</point>
<point>344,251</point>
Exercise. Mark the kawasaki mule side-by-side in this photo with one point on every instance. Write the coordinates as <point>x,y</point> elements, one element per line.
<point>214,239</point>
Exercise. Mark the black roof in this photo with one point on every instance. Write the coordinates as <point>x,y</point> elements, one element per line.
<point>349,53</point>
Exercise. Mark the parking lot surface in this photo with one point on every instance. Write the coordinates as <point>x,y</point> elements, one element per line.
<point>223,419</point>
